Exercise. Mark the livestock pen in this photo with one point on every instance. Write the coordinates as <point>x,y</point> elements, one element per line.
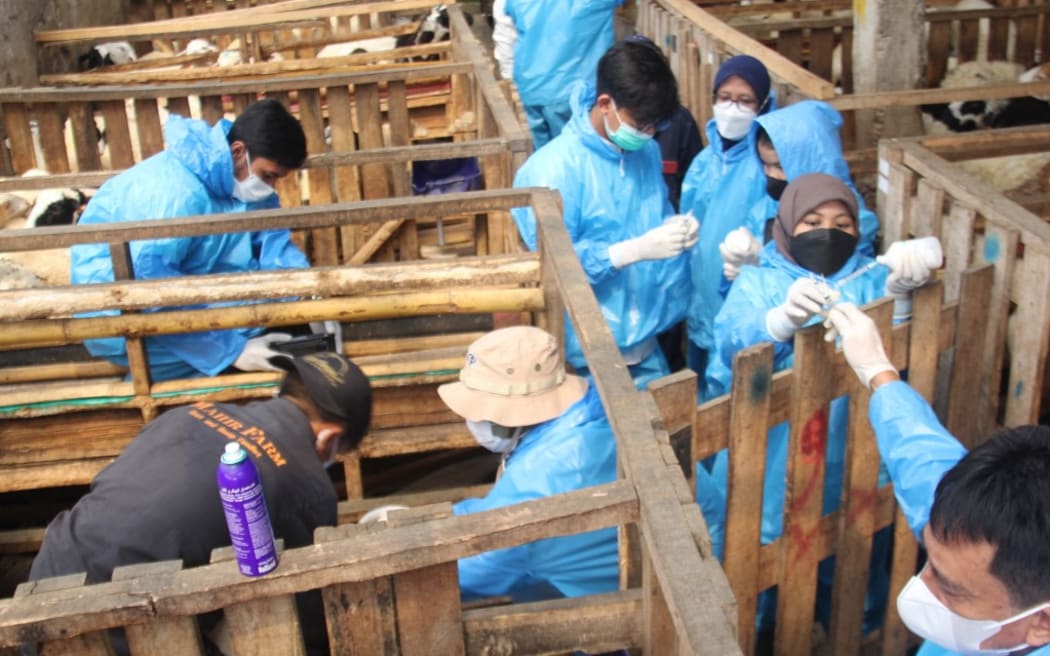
<point>392,585</point>
<point>366,130</point>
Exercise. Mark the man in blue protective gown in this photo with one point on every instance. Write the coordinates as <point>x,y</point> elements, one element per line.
<point>983,516</point>
<point>721,185</point>
<point>203,170</point>
<point>547,46</point>
<point>550,427</point>
<point>607,167</point>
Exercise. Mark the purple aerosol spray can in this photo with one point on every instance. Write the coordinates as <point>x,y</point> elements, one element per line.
<point>245,508</point>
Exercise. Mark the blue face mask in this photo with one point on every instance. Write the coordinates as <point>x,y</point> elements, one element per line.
<point>626,137</point>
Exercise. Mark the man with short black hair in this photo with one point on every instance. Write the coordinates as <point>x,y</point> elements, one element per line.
<point>983,516</point>
<point>204,169</point>
<point>608,170</point>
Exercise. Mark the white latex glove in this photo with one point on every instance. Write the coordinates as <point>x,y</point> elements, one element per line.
<point>692,228</point>
<point>806,297</point>
<point>861,343</point>
<point>740,247</point>
<point>664,241</point>
<point>331,327</point>
<point>379,514</point>
<point>910,263</point>
<point>257,353</point>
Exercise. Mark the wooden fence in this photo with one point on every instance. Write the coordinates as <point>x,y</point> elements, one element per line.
<point>697,41</point>
<point>758,400</point>
<point>38,448</point>
<point>921,192</point>
<point>392,589</point>
<point>364,132</point>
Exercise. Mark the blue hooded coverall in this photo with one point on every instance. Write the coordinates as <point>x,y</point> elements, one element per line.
<point>572,451</point>
<point>806,138</point>
<point>741,323</point>
<point>917,451</point>
<point>719,188</point>
<point>609,195</point>
<point>192,176</point>
<point>559,42</point>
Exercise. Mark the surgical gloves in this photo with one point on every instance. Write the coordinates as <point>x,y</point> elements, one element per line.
<point>861,343</point>
<point>739,248</point>
<point>257,353</point>
<point>910,263</point>
<point>677,233</point>
<point>806,297</point>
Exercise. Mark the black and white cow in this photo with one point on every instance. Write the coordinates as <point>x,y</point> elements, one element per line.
<point>106,54</point>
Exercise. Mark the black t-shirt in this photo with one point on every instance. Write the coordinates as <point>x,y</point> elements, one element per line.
<point>159,499</point>
<point>679,144</point>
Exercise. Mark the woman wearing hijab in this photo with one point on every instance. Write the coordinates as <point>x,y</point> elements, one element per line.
<point>815,237</point>
<point>722,184</point>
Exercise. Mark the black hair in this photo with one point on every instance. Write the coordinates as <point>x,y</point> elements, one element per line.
<point>268,130</point>
<point>1000,494</point>
<point>762,138</point>
<point>637,76</point>
<point>293,387</point>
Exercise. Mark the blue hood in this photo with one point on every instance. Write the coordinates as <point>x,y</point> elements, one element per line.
<point>202,149</point>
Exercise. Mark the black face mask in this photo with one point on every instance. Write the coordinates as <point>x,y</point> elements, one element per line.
<point>823,250</point>
<point>775,188</point>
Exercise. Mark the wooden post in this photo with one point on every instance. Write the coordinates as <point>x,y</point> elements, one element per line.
<point>888,36</point>
<point>94,643</point>
<point>172,635</point>
<point>748,427</point>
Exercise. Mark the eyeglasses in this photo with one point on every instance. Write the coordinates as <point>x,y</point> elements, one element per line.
<point>741,102</point>
<point>658,126</point>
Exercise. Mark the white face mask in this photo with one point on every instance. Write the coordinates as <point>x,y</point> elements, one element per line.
<point>925,615</point>
<point>251,189</point>
<point>483,435</point>
<point>733,120</point>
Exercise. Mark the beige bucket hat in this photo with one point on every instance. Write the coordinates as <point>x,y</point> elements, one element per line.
<point>513,377</point>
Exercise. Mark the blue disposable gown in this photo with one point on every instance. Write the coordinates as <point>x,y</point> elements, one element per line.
<point>559,42</point>
<point>741,323</point>
<point>719,188</point>
<point>193,175</point>
<point>917,451</point>
<point>609,195</point>
<point>806,138</point>
<point>570,452</point>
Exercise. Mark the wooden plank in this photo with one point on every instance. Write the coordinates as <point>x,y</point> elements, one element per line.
<point>150,130</point>
<point>324,249</point>
<point>957,239</point>
<point>360,615</point>
<point>428,609</point>
<point>597,623</point>
<point>161,636</point>
<point>821,47</point>
<point>748,427</point>
<point>179,105</point>
<point>1031,321</point>
<point>370,136</point>
<point>211,109</point>
<point>347,182</point>
<point>52,138</point>
<point>964,404</point>
<point>85,136</point>
<point>263,625</point>
<point>805,493</point>
<point>658,627</point>
<point>118,137</point>
<point>20,136</point>
<point>938,49</point>
<point>927,209</point>
<point>856,524</point>
<point>135,346</point>
<point>400,173</point>
<point>95,643</point>
<point>1000,249</point>
<point>897,198</point>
